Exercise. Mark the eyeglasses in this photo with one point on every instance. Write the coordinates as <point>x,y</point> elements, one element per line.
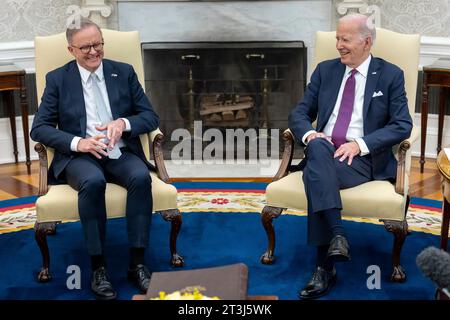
<point>87,48</point>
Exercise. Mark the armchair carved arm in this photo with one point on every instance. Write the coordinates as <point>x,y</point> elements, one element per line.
<point>43,168</point>
<point>400,150</point>
<point>157,138</point>
<point>402,161</point>
<point>401,167</point>
<point>286,158</point>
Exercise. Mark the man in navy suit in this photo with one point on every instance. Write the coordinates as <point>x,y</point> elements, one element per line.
<point>92,113</point>
<point>360,105</point>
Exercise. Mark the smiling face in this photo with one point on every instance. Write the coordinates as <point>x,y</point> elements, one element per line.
<point>353,47</point>
<point>88,36</point>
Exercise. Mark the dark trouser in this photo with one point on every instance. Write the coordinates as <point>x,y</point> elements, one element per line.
<point>89,175</point>
<point>323,177</point>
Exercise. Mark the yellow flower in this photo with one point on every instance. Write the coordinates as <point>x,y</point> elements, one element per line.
<point>189,293</point>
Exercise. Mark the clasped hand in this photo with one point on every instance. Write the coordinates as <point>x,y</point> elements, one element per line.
<point>96,146</point>
<point>347,150</point>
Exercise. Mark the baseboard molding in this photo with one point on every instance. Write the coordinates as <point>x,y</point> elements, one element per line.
<point>6,144</point>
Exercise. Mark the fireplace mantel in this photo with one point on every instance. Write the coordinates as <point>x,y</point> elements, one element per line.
<point>196,21</point>
<point>203,0</point>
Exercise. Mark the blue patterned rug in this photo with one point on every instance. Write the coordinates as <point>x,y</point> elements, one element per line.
<point>213,235</point>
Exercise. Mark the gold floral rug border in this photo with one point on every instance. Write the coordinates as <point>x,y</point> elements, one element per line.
<point>419,219</point>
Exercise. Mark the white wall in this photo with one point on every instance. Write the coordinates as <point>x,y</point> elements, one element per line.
<point>22,20</point>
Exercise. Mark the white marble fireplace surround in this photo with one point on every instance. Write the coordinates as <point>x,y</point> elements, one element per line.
<point>175,21</point>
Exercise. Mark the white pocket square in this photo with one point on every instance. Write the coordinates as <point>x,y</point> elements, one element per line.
<point>113,74</point>
<point>377,94</point>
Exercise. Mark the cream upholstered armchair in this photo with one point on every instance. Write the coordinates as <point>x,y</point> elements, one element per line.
<point>57,203</point>
<point>376,199</point>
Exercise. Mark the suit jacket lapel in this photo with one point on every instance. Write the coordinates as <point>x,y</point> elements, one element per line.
<point>336,74</point>
<point>75,89</point>
<point>111,78</point>
<point>372,79</point>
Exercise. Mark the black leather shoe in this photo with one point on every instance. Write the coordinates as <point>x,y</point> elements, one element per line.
<point>140,276</point>
<point>339,250</point>
<point>320,284</point>
<point>101,286</point>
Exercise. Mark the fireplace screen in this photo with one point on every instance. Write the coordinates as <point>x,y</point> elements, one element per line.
<point>224,85</point>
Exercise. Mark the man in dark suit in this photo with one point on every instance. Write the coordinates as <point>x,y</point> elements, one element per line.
<point>92,113</point>
<point>360,105</point>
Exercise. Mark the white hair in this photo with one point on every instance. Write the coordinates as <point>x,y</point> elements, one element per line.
<point>84,23</point>
<point>366,27</point>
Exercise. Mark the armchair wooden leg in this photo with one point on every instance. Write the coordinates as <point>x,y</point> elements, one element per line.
<point>267,215</point>
<point>445,224</point>
<point>52,230</point>
<point>400,231</point>
<point>174,217</point>
<point>41,231</point>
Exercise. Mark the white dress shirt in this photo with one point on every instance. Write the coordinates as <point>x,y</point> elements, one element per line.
<point>356,127</point>
<point>92,118</point>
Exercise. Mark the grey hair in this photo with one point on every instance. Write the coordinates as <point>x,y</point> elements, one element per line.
<point>366,25</point>
<point>84,23</point>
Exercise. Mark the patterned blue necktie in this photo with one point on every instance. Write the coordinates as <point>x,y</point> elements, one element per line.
<point>103,114</point>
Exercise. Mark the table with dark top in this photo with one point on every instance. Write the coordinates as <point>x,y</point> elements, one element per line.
<point>435,75</point>
<point>12,78</point>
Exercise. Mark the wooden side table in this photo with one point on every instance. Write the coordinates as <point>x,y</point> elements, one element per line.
<point>443,165</point>
<point>13,78</point>
<point>442,294</point>
<point>435,75</point>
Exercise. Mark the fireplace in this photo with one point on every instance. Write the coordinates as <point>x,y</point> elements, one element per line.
<point>225,85</point>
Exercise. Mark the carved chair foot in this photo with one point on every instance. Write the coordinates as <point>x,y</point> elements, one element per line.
<point>177,260</point>
<point>174,216</point>
<point>44,275</point>
<point>267,258</point>
<point>42,229</point>
<point>267,215</point>
<point>398,275</point>
<point>400,231</point>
